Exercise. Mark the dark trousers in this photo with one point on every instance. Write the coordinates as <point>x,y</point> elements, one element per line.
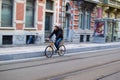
<point>57,43</point>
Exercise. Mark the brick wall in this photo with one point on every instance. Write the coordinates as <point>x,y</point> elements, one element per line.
<point>19,15</point>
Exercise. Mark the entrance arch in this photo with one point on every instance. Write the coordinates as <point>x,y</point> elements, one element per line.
<point>67,22</point>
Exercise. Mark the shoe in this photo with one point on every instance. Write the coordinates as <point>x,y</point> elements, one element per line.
<point>56,51</point>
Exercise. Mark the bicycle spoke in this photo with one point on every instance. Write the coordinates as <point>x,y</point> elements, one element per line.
<point>62,50</point>
<point>49,51</point>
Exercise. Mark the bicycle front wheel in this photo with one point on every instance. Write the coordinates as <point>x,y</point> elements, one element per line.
<point>62,50</point>
<point>49,51</point>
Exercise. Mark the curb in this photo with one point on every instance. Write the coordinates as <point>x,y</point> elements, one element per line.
<point>40,54</point>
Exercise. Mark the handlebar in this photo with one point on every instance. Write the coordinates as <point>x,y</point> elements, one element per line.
<point>49,40</point>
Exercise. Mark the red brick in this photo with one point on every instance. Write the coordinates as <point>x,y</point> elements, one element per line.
<point>19,26</point>
<point>75,27</point>
<point>60,2</point>
<point>76,17</point>
<point>39,26</point>
<point>75,22</point>
<point>76,12</point>
<point>19,11</point>
<point>41,1</point>
<point>40,13</point>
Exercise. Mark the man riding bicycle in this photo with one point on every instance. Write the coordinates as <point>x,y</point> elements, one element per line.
<point>59,36</point>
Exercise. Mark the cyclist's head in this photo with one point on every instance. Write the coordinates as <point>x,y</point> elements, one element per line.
<point>56,27</point>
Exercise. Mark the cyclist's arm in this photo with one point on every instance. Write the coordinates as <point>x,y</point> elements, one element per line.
<point>52,34</point>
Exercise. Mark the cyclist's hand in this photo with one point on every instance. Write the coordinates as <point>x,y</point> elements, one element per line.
<point>48,39</point>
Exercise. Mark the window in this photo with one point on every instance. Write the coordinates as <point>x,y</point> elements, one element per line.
<point>81,20</point>
<point>67,7</point>
<point>81,38</point>
<point>7,39</point>
<point>48,21</point>
<point>30,7</point>
<point>6,13</point>
<point>85,20</point>
<point>79,23</point>
<point>88,19</point>
<point>87,38</point>
<point>49,4</point>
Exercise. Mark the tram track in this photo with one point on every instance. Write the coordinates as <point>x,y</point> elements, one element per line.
<point>109,75</point>
<point>63,76</point>
<point>71,67</point>
<point>59,60</point>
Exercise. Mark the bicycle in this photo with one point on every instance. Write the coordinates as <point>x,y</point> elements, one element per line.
<point>51,49</point>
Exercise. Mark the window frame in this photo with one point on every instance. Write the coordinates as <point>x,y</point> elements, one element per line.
<point>34,14</point>
<point>12,16</point>
<point>50,7</point>
<point>88,19</point>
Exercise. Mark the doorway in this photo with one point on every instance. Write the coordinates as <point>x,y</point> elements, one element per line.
<point>67,26</point>
<point>48,24</point>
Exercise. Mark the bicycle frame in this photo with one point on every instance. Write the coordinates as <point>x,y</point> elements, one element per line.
<point>51,49</point>
<point>52,44</point>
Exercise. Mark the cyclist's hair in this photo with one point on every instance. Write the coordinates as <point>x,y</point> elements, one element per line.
<point>57,26</point>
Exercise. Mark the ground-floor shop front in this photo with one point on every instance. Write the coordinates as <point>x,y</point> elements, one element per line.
<point>107,30</point>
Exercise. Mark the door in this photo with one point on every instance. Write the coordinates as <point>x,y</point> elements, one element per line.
<point>48,24</point>
<point>110,31</point>
<point>67,26</point>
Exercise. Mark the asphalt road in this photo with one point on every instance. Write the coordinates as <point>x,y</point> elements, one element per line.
<point>99,65</point>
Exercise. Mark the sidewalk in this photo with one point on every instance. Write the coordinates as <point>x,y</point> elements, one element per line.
<point>30,51</point>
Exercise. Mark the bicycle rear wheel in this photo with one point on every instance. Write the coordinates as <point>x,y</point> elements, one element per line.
<point>49,51</point>
<point>62,50</point>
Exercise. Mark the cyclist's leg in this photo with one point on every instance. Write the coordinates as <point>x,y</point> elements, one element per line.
<point>57,43</point>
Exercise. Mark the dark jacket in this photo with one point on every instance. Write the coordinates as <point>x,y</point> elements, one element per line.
<point>58,33</point>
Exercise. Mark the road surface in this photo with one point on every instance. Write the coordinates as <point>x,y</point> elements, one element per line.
<point>98,65</point>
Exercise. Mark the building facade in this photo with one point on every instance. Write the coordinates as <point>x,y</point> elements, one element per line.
<point>31,21</point>
<point>109,14</point>
<point>77,18</point>
<point>84,19</point>
<point>27,21</point>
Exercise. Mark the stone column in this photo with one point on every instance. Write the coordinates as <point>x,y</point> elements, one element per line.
<point>40,21</point>
<point>0,21</point>
<point>0,11</point>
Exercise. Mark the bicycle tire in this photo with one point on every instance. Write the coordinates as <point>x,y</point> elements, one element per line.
<point>49,51</point>
<point>62,50</point>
